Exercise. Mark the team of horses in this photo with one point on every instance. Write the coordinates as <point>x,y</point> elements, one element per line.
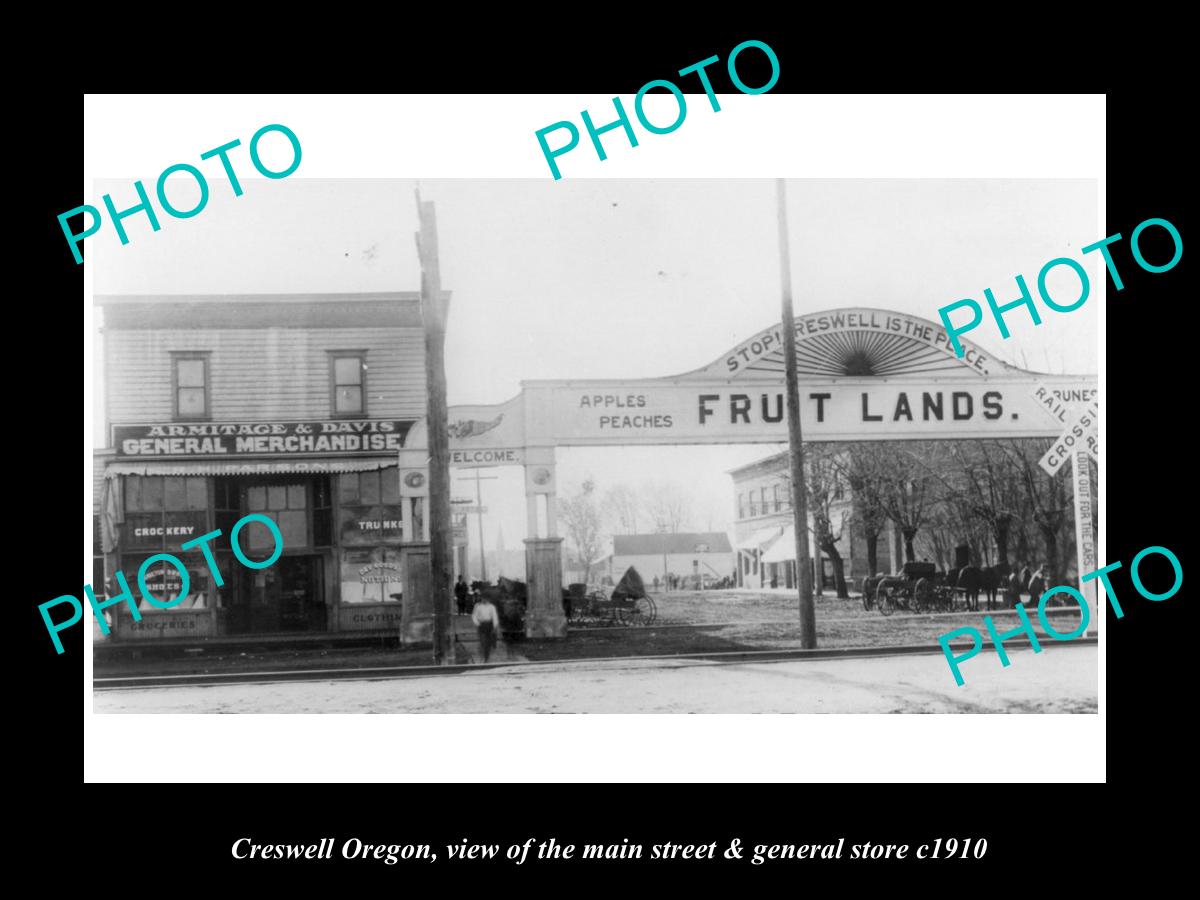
<point>993,581</point>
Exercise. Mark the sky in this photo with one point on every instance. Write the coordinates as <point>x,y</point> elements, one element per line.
<point>626,278</point>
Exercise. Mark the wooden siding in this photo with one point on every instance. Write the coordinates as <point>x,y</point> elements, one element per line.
<point>264,374</point>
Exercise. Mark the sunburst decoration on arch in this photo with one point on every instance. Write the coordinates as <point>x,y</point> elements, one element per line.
<point>860,353</point>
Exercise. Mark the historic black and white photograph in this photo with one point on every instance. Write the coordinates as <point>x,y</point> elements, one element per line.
<point>508,446</point>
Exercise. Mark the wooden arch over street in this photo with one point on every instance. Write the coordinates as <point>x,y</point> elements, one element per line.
<point>864,375</point>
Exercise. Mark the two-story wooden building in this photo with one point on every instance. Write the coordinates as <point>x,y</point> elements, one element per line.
<point>291,406</point>
<point>765,538</point>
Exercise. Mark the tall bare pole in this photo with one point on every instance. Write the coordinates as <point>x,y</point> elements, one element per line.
<point>433,316</point>
<point>479,515</point>
<point>808,616</point>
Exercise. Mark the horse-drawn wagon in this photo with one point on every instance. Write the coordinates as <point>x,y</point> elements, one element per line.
<point>629,603</point>
<point>918,587</point>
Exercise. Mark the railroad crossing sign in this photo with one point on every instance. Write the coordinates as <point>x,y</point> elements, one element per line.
<point>1078,443</point>
<point>1080,434</point>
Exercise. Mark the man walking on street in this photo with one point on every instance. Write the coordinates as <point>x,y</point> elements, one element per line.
<point>487,623</point>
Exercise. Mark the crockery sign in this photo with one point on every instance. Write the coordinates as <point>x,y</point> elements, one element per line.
<point>220,439</point>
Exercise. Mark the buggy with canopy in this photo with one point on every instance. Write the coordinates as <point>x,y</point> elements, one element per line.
<point>628,605</point>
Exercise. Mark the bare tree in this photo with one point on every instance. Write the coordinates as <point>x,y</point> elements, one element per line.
<point>668,505</point>
<point>1048,497</point>
<point>580,516</point>
<point>622,508</point>
<point>902,485</point>
<point>857,466</point>
<point>985,483</point>
<point>822,471</point>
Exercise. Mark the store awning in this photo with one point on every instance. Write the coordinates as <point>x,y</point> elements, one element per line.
<point>248,467</point>
<point>759,539</point>
<point>784,549</point>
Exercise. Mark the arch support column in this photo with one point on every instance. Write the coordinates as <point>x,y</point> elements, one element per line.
<point>416,604</point>
<point>544,617</point>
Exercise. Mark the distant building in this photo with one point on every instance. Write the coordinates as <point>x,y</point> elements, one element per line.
<point>765,539</point>
<point>706,555</point>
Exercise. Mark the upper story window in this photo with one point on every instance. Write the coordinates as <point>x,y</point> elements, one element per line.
<point>348,375</point>
<point>190,378</point>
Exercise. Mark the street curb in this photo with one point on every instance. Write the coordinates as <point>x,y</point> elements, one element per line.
<point>399,672</point>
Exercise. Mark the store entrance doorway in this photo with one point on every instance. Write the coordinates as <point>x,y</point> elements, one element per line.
<point>286,596</point>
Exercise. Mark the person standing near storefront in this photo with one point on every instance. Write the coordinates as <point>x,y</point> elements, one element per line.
<point>460,596</point>
<point>487,624</point>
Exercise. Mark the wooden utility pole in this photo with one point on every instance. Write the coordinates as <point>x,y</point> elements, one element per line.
<point>479,512</point>
<point>433,316</point>
<point>808,616</point>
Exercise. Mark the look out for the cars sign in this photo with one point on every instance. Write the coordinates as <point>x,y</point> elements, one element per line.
<point>1078,442</point>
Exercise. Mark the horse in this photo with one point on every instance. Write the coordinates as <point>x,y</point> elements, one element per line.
<point>972,580</point>
<point>994,579</point>
<point>517,590</point>
<point>1037,587</point>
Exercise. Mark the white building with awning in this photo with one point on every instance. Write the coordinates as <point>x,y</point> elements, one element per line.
<point>765,534</point>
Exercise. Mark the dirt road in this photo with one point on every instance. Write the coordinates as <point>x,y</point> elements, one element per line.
<point>1061,679</point>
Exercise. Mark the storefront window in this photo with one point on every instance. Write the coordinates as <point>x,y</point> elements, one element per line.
<point>370,531</point>
<point>164,582</point>
<point>164,512</point>
<point>371,575</point>
<point>287,505</point>
<point>161,514</point>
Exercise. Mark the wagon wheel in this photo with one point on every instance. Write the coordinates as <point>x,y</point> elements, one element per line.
<point>887,603</point>
<point>923,595</point>
<point>642,612</point>
<point>868,600</point>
